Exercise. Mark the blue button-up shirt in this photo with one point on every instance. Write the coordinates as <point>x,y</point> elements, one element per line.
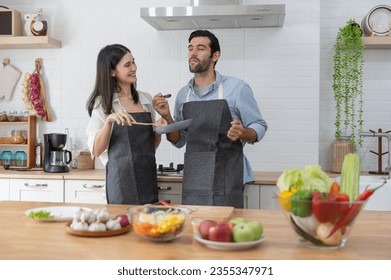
<point>242,104</point>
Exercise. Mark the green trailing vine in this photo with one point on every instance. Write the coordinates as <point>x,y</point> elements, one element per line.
<point>347,81</point>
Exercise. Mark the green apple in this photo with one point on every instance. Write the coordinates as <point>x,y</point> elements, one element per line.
<point>257,229</point>
<point>243,232</point>
<point>237,220</point>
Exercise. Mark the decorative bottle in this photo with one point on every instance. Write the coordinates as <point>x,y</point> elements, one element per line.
<point>38,153</point>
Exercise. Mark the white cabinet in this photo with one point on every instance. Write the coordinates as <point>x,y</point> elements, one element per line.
<point>268,200</point>
<point>37,190</point>
<point>4,189</point>
<point>85,191</point>
<point>251,197</point>
<point>170,192</point>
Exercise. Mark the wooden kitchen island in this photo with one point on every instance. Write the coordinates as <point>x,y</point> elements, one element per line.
<point>22,238</point>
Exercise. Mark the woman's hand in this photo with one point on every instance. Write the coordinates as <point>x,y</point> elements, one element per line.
<point>160,104</point>
<point>161,122</point>
<point>121,118</point>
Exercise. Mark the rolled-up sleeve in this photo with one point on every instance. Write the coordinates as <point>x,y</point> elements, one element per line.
<point>249,112</point>
<point>94,126</point>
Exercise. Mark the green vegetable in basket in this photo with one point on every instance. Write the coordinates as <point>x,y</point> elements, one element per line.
<point>301,203</point>
<point>350,175</point>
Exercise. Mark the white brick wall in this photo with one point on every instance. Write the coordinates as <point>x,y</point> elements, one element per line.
<point>289,70</point>
<point>376,80</point>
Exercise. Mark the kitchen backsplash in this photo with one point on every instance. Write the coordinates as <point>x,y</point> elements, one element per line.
<point>289,69</point>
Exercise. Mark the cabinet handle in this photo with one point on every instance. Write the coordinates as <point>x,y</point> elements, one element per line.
<point>167,188</point>
<point>91,186</point>
<point>36,185</point>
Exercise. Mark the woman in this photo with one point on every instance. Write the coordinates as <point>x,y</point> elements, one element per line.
<point>127,150</point>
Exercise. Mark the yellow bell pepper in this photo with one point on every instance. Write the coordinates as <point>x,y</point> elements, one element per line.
<point>284,198</point>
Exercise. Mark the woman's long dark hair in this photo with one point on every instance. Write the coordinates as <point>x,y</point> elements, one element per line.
<point>105,83</point>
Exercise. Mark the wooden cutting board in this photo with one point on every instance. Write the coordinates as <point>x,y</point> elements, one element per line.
<point>217,213</point>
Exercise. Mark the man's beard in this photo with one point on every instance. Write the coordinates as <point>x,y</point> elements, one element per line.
<point>202,66</point>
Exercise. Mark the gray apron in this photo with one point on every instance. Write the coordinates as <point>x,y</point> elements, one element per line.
<point>131,176</point>
<point>213,173</point>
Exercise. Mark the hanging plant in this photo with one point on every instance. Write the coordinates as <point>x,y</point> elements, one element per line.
<point>347,81</point>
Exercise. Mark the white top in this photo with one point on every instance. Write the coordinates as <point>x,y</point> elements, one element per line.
<point>98,118</point>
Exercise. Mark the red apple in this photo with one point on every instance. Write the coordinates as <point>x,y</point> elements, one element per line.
<point>221,232</point>
<point>204,228</point>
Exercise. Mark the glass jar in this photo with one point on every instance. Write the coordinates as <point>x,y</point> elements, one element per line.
<point>24,116</point>
<point>20,158</point>
<point>7,158</point>
<point>3,116</point>
<point>12,116</point>
<point>18,136</point>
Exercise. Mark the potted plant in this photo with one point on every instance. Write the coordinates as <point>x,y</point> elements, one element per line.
<point>347,81</point>
<point>348,94</point>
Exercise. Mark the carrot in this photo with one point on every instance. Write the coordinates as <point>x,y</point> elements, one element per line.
<point>334,187</point>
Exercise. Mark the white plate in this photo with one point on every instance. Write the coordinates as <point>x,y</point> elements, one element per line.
<point>228,246</point>
<point>60,213</point>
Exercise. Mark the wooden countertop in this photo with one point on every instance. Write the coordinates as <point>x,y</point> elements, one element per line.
<point>261,178</point>
<point>266,178</point>
<point>24,238</point>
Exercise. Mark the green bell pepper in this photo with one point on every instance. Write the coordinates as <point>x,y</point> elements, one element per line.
<point>301,203</point>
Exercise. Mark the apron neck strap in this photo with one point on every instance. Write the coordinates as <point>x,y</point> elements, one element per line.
<point>220,93</point>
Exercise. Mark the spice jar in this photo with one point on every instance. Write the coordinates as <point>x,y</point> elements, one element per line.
<point>7,158</point>
<point>24,116</point>
<point>12,116</point>
<point>17,137</point>
<point>3,116</point>
<point>20,158</point>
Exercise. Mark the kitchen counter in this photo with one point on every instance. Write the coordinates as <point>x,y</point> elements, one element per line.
<point>262,178</point>
<point>24,238</point>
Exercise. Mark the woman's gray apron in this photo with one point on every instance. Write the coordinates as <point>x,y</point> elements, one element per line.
<point>213,173</point>
<point>131,170</point>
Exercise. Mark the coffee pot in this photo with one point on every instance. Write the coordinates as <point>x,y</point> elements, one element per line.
<point>60,157</point>
<point>56,158</point>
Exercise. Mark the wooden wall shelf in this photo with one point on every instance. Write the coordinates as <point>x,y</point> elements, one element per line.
<point>377,42</point>
<point>29,42</point>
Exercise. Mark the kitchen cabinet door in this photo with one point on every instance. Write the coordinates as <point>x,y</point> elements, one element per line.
<point>170,192</point>
<point>268,198</point>
<point>251,197</point>
<point>37,190</point>
<point>85,191</point>
<point>4,189</point>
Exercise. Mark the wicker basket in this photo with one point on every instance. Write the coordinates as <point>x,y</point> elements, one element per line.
<point>340,148</point>
<point>84,161</point>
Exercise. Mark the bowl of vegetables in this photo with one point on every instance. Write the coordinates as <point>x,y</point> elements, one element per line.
<point>159,223</point>
<point>321,219</point>
<point>321,211</point>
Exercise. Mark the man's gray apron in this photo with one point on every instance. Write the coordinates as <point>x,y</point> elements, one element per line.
<point>213,173</point>
<point>131,176</point>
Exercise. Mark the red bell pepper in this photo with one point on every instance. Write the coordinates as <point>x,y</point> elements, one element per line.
<point>343,207</point>
<point>324,207</point>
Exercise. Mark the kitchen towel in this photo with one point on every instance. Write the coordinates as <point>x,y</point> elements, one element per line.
<point>9,77</point>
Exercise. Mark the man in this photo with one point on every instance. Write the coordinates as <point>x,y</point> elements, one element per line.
<point>225,116</point>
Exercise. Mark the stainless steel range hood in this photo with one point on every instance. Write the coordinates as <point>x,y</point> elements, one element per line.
<point>214,14</point>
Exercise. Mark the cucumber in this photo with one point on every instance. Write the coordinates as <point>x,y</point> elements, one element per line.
<point>350,176</point>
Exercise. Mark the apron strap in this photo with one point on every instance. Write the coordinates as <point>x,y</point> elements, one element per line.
<point>220,92</point>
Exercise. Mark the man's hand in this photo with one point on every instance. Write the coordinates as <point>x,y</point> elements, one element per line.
<point>160,104</point>
<point>237,131</point>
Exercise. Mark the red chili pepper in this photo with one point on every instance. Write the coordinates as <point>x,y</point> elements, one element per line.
<point>354,209</point>
<point>324,207</point>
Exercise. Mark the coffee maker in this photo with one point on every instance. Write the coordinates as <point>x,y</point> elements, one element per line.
<point>56,157</point>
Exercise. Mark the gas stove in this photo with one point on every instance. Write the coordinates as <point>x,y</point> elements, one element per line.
<point>170,170</point>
